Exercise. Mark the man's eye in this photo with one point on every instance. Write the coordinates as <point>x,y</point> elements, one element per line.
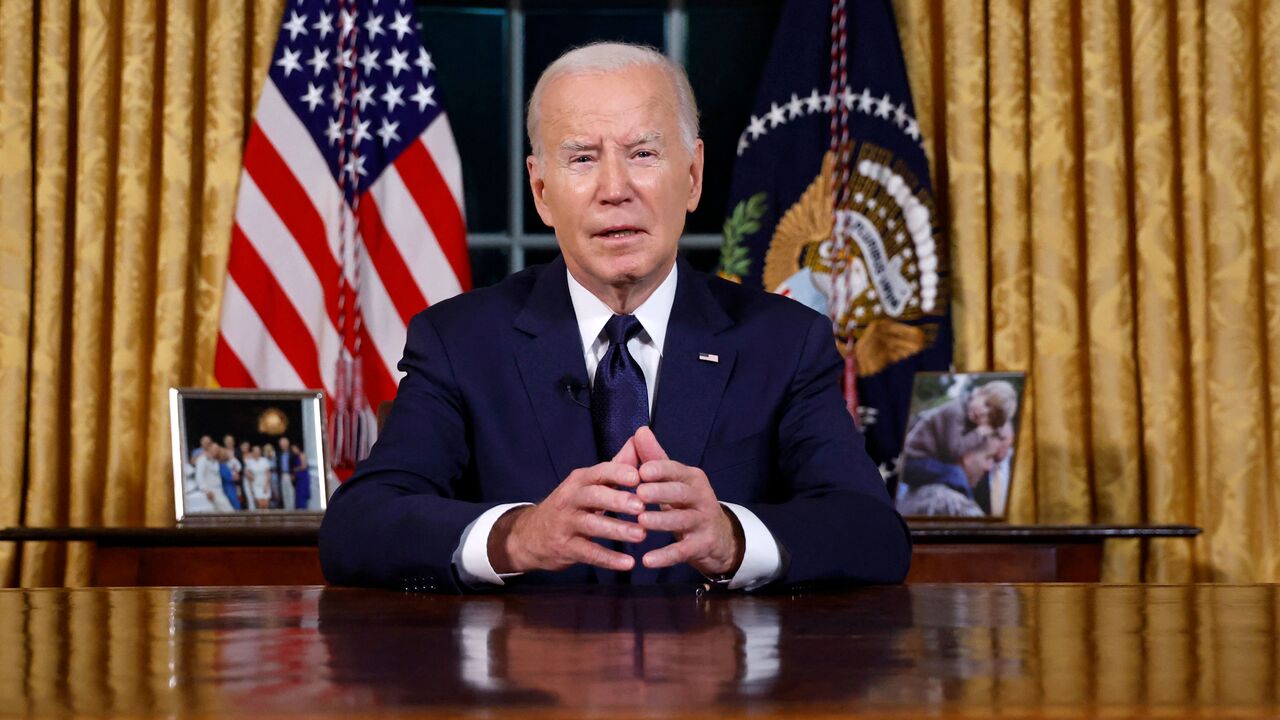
<point>579,159</point>
<point>645,154</point>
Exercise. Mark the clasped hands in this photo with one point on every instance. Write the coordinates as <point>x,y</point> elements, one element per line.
<point>559,531</point>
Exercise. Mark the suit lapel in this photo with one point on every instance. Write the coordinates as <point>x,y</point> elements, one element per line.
<point>695,369</point>
<point>549,356</point>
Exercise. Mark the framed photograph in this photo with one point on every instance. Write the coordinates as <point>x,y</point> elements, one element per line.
<point>248,456</point>
<point>961,443</point>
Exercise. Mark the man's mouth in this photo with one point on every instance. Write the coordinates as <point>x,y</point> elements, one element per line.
<point>622,231</point>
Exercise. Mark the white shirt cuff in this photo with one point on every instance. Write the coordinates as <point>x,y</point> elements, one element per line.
<point>761,559</point>
<point>471,558</point>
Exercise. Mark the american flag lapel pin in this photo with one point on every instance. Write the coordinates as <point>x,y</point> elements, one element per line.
<point>709,357</point>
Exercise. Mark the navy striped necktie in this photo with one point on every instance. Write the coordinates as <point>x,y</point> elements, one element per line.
<point>619,396</point>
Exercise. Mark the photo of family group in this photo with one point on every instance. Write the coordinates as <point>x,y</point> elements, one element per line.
<point>225,476</point>
<point>957,459</point>
<point>247,452</point>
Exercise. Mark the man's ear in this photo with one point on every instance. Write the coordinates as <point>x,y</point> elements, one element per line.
<point>695,176</point>
<point>538,186</point>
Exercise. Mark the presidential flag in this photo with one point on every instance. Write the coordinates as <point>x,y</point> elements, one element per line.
<point>832,206</point>
<point>349,218</point>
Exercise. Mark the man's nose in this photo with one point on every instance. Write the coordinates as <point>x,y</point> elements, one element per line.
<point>615,180</point>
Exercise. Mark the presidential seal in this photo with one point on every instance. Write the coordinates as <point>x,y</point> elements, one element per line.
<point>872,264</point>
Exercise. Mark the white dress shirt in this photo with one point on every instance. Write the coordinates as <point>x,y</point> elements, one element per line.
<point>761,559</point>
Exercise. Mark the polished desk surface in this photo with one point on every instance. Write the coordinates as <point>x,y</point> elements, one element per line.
<point>906,651</point>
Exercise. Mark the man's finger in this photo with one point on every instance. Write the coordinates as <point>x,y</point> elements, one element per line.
<point>610,474</point>
<point>672,554</point>
<point>599,497</point>
<point>647,447</point>
<point>607,528</point>
<point>592,553</point>
<point>627,455</point>
<point>673,493</point>
<point>665,470</point>
<point>676,521</point>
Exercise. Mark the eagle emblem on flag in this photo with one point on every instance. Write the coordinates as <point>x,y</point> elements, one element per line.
<point>885,241</point>
<point>831,205</point>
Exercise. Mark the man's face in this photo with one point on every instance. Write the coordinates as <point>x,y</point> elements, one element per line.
<point>284,444</point>
<point>615,180</point>
<point>1003,442</point>
<point>978,462</point>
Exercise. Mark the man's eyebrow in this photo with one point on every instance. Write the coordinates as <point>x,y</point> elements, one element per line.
<point>653,136</point>
<point>574,146</point>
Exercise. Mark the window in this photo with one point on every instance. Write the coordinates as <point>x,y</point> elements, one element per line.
<point>484,50</point>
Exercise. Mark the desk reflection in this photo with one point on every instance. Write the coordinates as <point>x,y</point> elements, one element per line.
<point>609,648</point>
<point>1063,650</point>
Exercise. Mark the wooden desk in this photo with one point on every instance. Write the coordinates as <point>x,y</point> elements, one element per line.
<point>901,652</point>
<point>266,555</point>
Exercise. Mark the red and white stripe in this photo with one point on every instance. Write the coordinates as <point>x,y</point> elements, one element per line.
<point>281,326</point>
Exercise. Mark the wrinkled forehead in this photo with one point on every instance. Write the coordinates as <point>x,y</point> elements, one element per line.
<point>622,106</point>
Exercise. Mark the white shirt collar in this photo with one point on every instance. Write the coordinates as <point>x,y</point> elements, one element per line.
<point>653,313</point>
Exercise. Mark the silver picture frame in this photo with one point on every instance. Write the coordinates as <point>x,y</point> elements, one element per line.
<point>214,484</point>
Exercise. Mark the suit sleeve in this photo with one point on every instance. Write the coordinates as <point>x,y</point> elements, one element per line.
<point>397,521</point>
<point>832,517</point>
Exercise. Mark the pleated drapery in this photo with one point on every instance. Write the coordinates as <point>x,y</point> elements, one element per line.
<point>121,128</point>
<point>1111,172</point>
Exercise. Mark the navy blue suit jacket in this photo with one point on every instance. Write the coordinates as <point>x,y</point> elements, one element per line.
<point>493,409</point>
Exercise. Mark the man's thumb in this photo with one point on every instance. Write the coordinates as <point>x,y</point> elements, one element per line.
<point>627,455</point>
<point>647,447</point>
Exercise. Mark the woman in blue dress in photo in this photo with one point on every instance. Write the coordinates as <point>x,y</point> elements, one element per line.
<point>301,479</point>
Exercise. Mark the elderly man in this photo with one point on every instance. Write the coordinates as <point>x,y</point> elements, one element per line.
<point>615,416</point>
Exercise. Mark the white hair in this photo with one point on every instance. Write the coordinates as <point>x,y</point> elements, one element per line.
<point>608,57</point>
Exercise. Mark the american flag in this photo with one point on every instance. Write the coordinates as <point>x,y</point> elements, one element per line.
<point>349,218</point>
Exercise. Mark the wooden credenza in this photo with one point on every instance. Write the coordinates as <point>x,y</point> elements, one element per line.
<point>265,555</point>
<point>192,556</point>
<point>997,553</point>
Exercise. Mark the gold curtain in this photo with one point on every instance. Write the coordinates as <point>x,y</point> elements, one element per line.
<point>122,124</point>
<point>1112,176</point>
